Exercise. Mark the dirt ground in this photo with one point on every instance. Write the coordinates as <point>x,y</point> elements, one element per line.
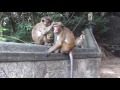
<point>110,66</point>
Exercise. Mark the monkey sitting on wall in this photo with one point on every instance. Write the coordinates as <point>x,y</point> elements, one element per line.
<point>42,32</point>
<point>65,42</point>
<point>79,40</point>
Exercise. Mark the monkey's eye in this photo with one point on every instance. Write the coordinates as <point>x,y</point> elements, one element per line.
<point>43,20</point>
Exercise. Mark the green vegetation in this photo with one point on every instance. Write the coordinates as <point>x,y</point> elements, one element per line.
<point>17,26</point>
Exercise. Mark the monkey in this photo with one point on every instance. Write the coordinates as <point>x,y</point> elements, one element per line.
<point>79,40</point>
<point>65,42</point>
<point>50,38</point>
<point>41,32</point>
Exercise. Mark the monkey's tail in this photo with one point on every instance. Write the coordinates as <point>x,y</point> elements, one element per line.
<point>71,64</point>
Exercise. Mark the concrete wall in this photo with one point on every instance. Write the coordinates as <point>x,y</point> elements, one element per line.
<point>28,61</point>
<point>83,68</point>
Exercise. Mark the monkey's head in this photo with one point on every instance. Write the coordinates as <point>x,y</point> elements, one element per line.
<point>50,36</point>
<point>46,20</point>
<point>58,26</point>
<point>82,37</point>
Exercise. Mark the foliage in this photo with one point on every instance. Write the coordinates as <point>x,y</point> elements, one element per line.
<point>2,29</point>
<point>101,24</point>
<point>18,25</point>
<point>24,31</point>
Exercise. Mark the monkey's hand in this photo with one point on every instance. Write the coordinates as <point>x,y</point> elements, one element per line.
<point>47,54</point>
<point>53,23</point>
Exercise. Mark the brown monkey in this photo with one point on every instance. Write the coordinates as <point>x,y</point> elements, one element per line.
<point>65,41</point>
<point>79,40</point>
<point>41,33</point>
<point>50,37</point>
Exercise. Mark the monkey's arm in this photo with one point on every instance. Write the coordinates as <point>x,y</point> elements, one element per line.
<point>49,28</point>
<point>56,46</point>
<point>41,37</point>
<point>53,48</point>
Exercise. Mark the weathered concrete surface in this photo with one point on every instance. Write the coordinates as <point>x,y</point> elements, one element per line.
<point>2,73</point>
<point>83,68</point>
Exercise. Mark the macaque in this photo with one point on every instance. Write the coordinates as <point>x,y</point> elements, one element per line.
<point>65,42</point>
<point>50,38</point>
<point>42,32</point>
<point>79,41</point>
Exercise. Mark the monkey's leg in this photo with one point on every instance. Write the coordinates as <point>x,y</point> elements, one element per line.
<point>66,48</point>
<point>57,51</point>
<point>52,49</point>
<point>40,40</point>
<point>55,47</point>
<point>46,42</point>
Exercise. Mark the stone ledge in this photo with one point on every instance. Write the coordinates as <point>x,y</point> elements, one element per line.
<point>21,47</point>
<point>23,57</point>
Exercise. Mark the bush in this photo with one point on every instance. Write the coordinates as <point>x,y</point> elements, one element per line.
<point>101,24</point>
<point>2,38</point>
<point>24,22</point>
<point>24,32</point>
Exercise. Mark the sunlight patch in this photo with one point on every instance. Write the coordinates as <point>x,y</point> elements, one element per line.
<point>108,71</point>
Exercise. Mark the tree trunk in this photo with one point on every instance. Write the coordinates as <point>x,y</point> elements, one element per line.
<point>1,16</point>
<point>13,24</point>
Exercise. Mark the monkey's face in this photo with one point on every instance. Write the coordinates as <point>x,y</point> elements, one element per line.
<point>82,37</point>
<point>50,35</point>
<point>58,26</point>
<point>57,29</point>
<point>46,22</point>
